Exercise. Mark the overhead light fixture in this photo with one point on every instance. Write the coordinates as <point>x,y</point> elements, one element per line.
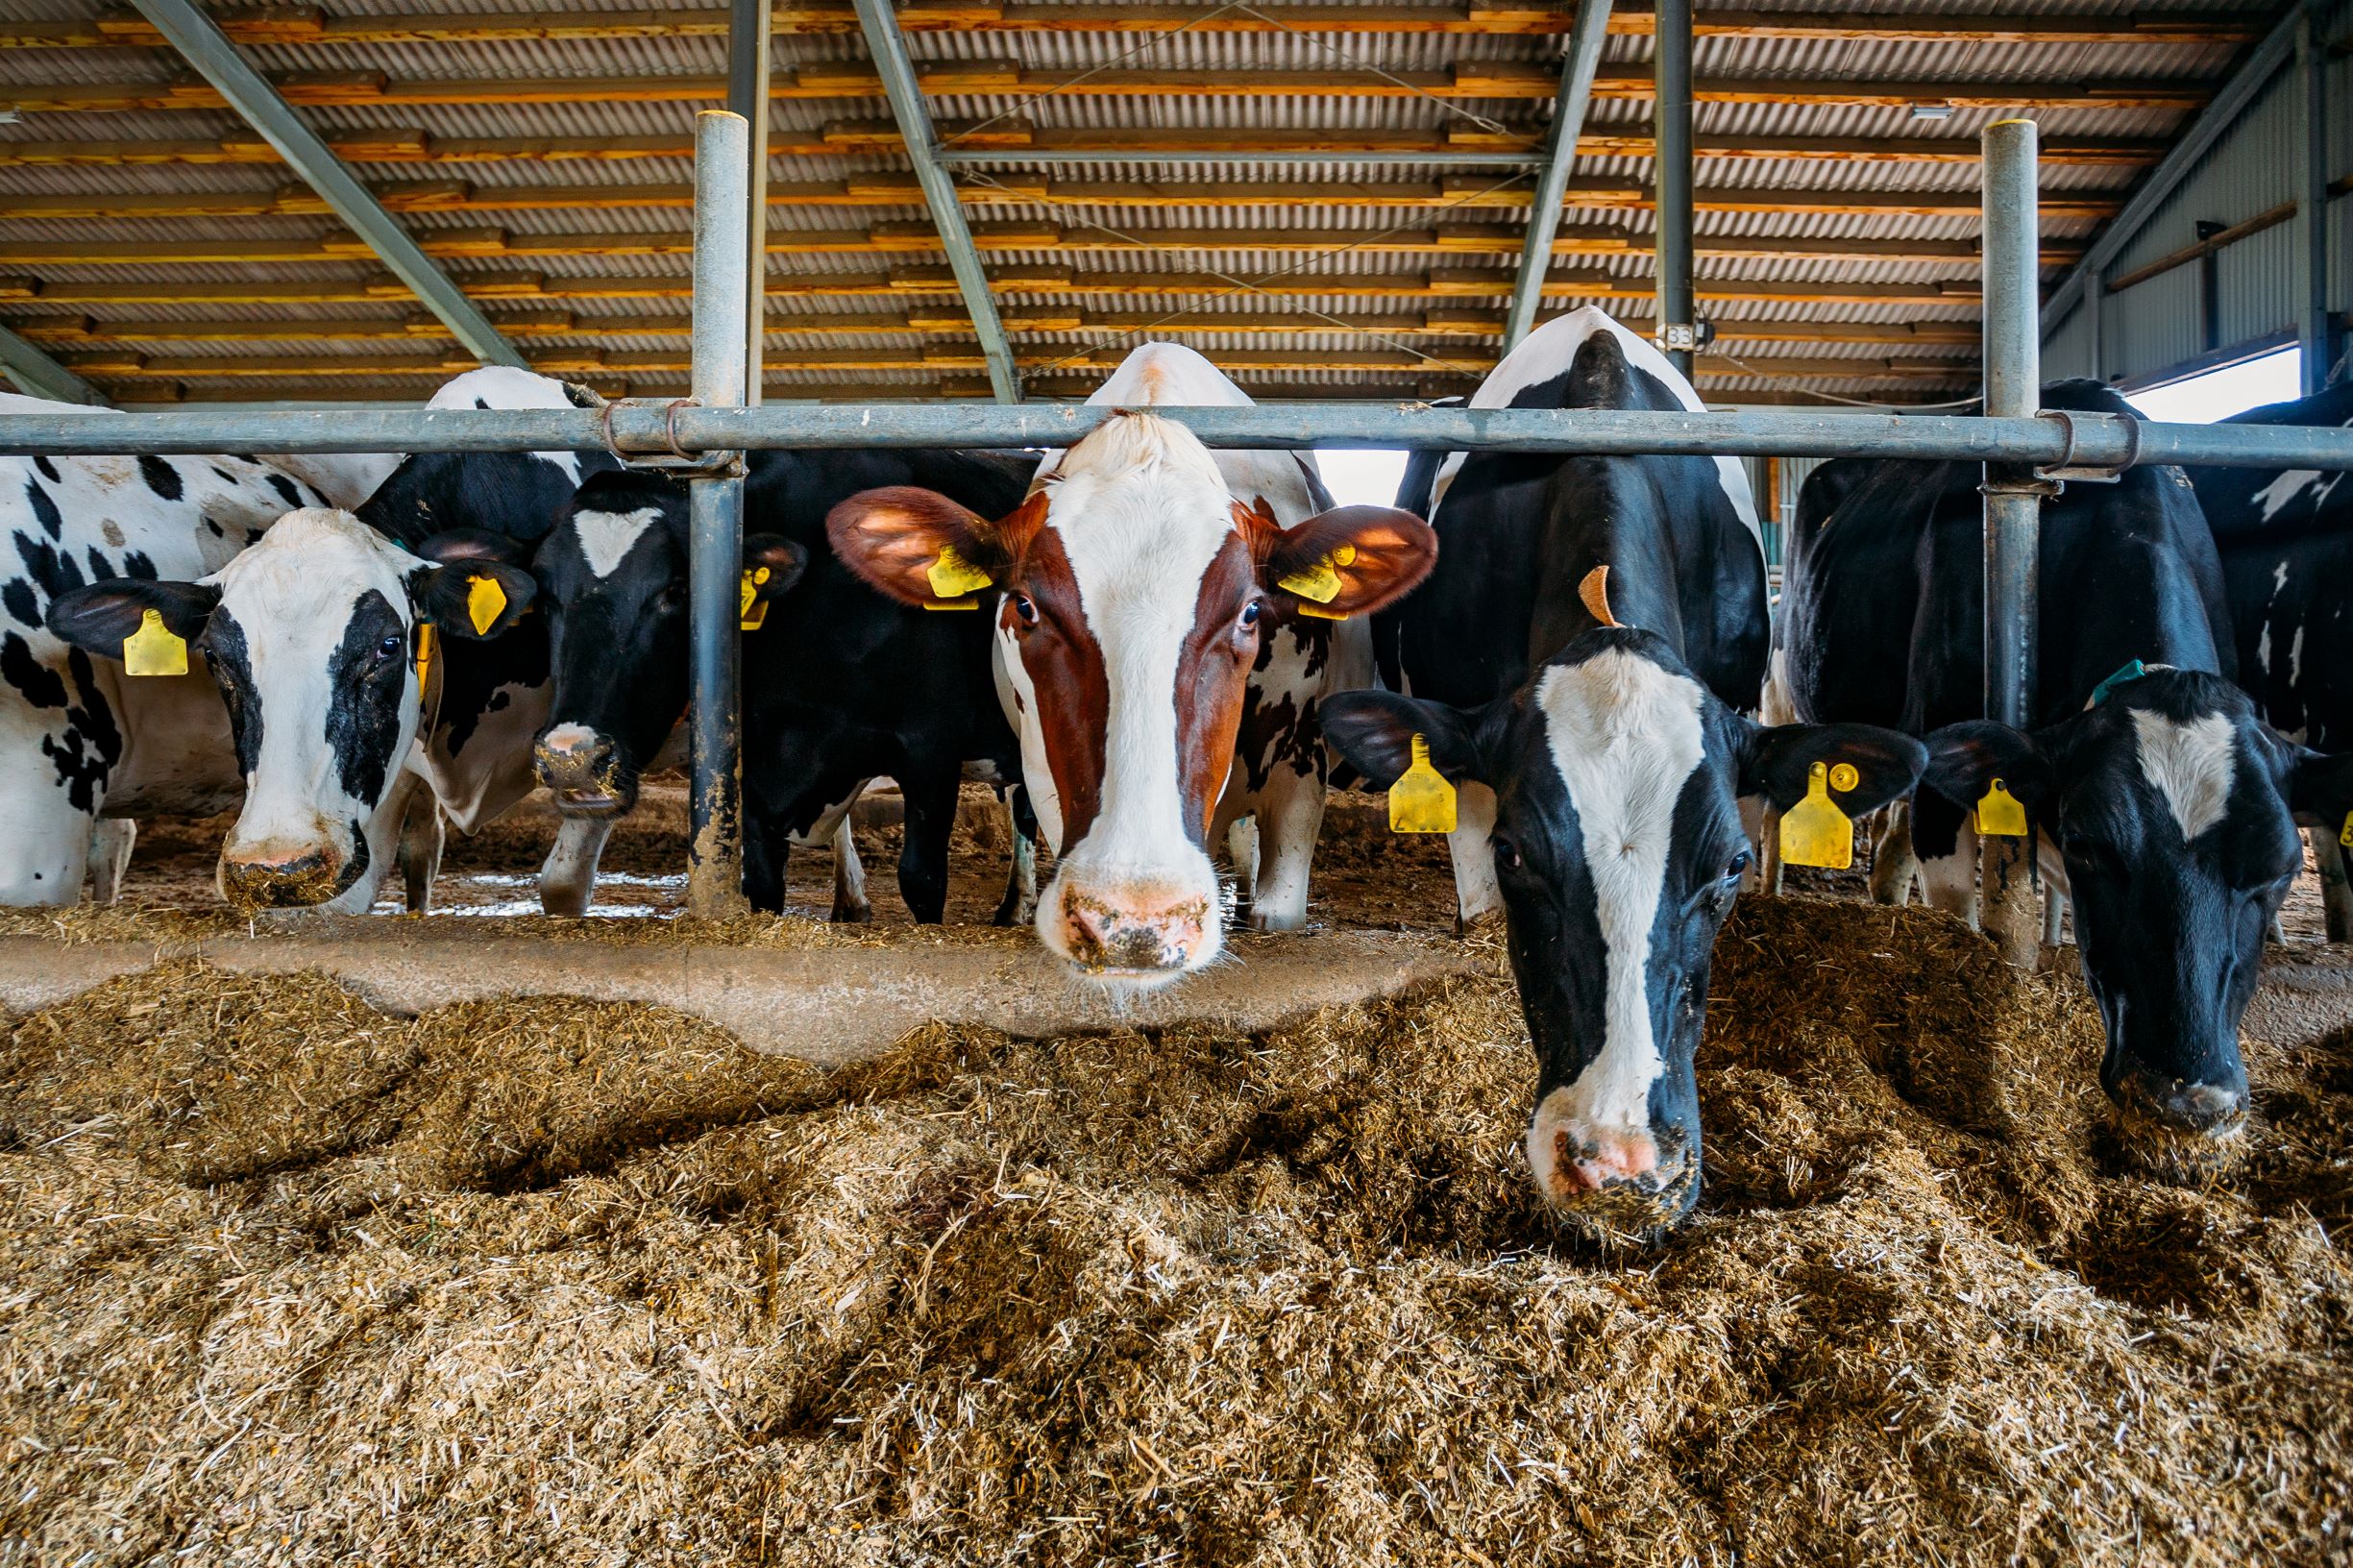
<point>1932,111</point>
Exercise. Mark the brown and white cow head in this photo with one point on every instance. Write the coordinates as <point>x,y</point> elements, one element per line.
<point>1135,590</point>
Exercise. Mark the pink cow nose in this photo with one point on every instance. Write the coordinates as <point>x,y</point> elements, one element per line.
<point>1603,1155</point>
<point>281,879</point>
<point>1108,937</point>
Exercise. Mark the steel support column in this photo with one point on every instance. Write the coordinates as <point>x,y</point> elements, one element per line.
<point>205,46</point>
<point>749,65</point>
<point>1576,67</point>
<point>714,549</point>
<point>1678,327</point>
<point>2315,336</point>
<point>887,48</point>
<point>2012,914</point>
<point>37,376</point>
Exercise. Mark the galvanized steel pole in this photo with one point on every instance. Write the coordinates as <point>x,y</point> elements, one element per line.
<point>1577,68</point>
<point>1678,327</point>
<point>2013,502</point>
<point>38,376</point>
<point>714,556</point>
<point>748,58</point>
<point>2314,329</point>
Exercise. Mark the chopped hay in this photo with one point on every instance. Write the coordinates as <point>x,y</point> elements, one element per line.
<point>289,1280</point>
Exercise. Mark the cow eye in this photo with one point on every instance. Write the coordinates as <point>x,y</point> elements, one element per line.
<point>1737,867</point>
<point>1506,853</point>
<point>1026,608</point>
<point>1250,614</point>
<point>391,646</point>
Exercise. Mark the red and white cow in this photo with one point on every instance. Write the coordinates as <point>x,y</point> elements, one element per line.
<point>1142,587</point>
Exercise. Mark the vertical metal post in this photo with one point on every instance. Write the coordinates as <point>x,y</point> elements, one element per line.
<point>2095,323</point>
<point>2313,333</point>
<point>715,550</point>
<point>748,57</point>
<point>2013,502</point>
<point>1671,111</point>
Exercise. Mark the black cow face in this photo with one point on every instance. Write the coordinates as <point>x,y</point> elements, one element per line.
<point>2176,811</point>
<point>613,576</point>
<point>1619,847</point>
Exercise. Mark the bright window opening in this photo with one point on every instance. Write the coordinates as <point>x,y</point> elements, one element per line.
<point>1358,478</point>
<point>2219,394</point>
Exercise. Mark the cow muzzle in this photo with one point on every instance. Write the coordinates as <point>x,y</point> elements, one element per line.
<point>1139,937</point>
<point>2174,1129</point>
<point>285,876</point>
<point>582,769</point>
<point>1617,1183</point>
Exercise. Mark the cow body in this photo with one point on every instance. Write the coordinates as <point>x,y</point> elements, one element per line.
<point>1580,667</point>
<point>840,685</point>
<point>1519,531</point>
<point>2163,801</point>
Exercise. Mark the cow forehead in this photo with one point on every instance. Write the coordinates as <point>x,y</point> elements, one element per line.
<point>2189,764</point>
<point>606,538</point>
<point>1624,734</point>
<point>1141,516</point>
<point>300,580</point>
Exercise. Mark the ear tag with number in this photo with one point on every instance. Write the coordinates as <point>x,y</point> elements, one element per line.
<point>154,649</point>
<point>751,613</point>
<point>2000,813</point>
<point>425,653</point>
<point>2346,837</point>
<point>485,603</point>
<point>953,577</point>
<point>1815,832</point>
<point>1421,800</point>
<point>1320,583</point>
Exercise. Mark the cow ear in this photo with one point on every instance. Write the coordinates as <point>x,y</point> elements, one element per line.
<point>1374,731</point>
<point>1965,759</point>
<point>1349,560</point>
<point>2320,788</point>
<point>96,619</point>
<point>473,544</point>
<point>915,545</point>
<point>1781,758</point>
<point>780,558</point>
<point>474,600</point>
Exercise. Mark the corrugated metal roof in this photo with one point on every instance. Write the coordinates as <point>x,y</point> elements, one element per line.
<point>1105,254</point>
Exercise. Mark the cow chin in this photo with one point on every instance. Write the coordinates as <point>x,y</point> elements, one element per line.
<point>1614,1184</point>
<point>294,874</point>
<point>1131,932</point>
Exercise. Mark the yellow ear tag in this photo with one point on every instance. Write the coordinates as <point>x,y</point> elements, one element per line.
<point>2000,813</point>
<point>1815,832</point>
<point>1421,800</point>
<point>1320,583</point>
<point>953,577</point>
<point>2346,837</point>
<point>485,603</point>
<point>751,613</point>
<point>154,649</point>
<point>424,653</point>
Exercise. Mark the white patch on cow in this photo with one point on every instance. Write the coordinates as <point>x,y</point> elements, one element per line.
<point>606,538</point>
<point>505,387</point>
<point>1549,350</point>
<point>2295,655</point>
<point>2284,486</point>
<point>1626,735</point>
<point>564,737</point>
<point>2189,765</point>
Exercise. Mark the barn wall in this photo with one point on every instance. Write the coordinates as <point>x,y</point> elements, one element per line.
<point>2158,326</point>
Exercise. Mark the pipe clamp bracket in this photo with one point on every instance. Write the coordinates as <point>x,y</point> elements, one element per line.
<point>2068,467</point>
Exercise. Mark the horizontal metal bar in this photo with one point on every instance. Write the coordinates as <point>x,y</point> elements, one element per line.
<point>2099,440</point>
<point>1453,158</point>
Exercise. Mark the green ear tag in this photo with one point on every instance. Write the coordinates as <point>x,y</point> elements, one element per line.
<point>953,577</point>
<point>751,613</point>
<point>485,603</point>
<point>154,649</point>
<point>1421,800</point>
<point>1815,832</point>
<point>2000,813</point>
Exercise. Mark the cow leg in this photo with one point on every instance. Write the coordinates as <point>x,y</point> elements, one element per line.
<point>1946,842</point>
<point>1754,810</point>
<point>2335,895</point>
<point>568,877</point>
<point>766,854</point>
<point>1769,851</point>
<point>44,836</point>
<point>1893,863</point>
<point>422,836</point>
<point>1242,850</point>
<point>2054,917</point>
<point>1019,905</point>
<point>1477,893</point>
<point>1290,814</point>
<point>111,842</point>
<point>922,853</point>
<point>850,901</point>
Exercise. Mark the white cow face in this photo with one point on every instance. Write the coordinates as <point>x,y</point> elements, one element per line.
<point>312,636</point>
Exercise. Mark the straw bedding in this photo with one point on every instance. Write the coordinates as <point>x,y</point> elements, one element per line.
<point>289,1281</point>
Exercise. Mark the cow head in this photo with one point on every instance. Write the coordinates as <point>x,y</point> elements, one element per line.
<point>1619,847</point>
<point>613,581</point>
<point>312,636</point>
<point>1136,590</point>
<point>2176,811</point>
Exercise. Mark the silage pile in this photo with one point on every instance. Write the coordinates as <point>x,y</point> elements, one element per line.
<point>287,1280</point>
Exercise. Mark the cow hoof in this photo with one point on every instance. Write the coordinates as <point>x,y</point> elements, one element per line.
<point>853,914</point>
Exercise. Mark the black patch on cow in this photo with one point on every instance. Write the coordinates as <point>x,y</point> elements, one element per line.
<point>85,753</point>
<point>52,521</point>
<point>226,477</point>
<point>100,571</point>
<point>41,686</point>
<point>48,470</point>
<point>218,532</point>
<point>367,676</point>
<point>51,569</point>
<point>22,604</point>
<point>233,669</point>
<point>286,489</point>
<point>137,563</point>
<point>161,476</point>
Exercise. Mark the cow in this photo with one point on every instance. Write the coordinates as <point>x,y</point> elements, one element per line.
<point>2286,538</point>
<point>1140,580</point>
<point>1577,667</point>
<point>840,684</point>
<point>298,632</point>
<point>2162,805</point>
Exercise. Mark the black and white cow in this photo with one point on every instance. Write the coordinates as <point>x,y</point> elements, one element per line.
<point>840,684</point>
<point>2166,802</point>
<point>298,632</point>
<point>2286,538</point>
<point>1579,665</point>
